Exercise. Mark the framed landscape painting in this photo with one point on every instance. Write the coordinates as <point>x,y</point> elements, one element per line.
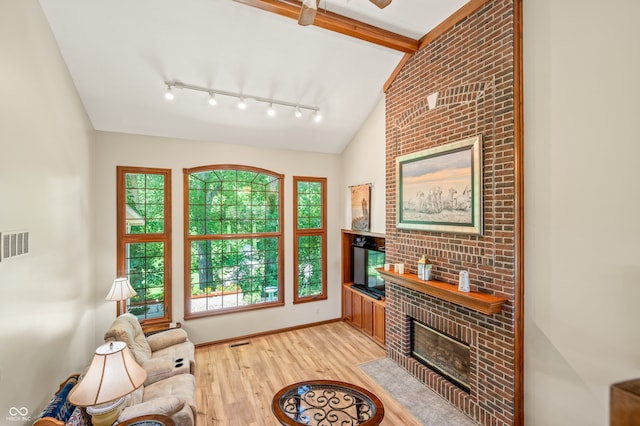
<point>440,189</point>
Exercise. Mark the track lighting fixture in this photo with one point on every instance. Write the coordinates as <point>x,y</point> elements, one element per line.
<point>168,95</point>
<point>242,99</point>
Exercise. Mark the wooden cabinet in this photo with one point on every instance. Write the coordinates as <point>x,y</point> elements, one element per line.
<point>363,312</point>
<point>347,304</point>
<point>624,403</point>
<point>367,315</point>
<point>358,309</point>
<point>378,322</point>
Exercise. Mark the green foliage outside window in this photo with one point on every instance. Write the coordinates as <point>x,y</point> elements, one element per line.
<point>309,205</point>
<point>145,203</point>
<point>145,269</point>
<point>309,265</point>
<point>143,238</point>
<point>310,235</point>
<point>233,227</point>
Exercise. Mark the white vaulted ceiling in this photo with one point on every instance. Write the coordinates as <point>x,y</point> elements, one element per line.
<point>120,53</point>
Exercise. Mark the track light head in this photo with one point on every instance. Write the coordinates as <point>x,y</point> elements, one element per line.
<point>242,104</point>
<point>271,112</point>
<point>168,95</point>
<point>212,99</point>
<point>317,117</point>
<point>298,113</point>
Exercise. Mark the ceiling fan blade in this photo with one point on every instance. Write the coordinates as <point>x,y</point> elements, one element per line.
<point>308,12</point>
<point>381,3</point>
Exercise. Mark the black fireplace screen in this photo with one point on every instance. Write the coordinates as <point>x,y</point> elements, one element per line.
<point>441,353</point>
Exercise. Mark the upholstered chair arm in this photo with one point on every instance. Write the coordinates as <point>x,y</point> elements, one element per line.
<point>163,367</point>
<point>167,338</point>
<point>167,406</point>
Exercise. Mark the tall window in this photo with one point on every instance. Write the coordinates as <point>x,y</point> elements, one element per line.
<point>233,239</point>
<point>144,240</point>
<point>310,239</point>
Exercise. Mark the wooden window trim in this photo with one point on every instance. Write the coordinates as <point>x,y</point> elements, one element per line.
<point>188,315</point>
<point>123,238</point>
<point>298,232</point>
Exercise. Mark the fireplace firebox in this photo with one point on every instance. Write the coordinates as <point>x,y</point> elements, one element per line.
<point>445,355</point>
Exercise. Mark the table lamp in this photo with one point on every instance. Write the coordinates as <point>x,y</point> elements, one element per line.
<point>112,375</point>
<point>120,291</point>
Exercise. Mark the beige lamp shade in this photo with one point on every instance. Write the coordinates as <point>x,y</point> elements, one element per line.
<point>113,373</point>
<point>121,290</point>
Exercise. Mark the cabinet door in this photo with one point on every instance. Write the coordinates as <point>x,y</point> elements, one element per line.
<point>347,304</point>
<point>356,298</point>
<point>367,315</point>
<point>378,322</point>
<point>624,403</point>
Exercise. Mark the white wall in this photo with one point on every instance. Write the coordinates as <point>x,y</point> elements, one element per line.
<point>363,161</point>
<point>46,297</point>
<point>130,150</point>
<point>582,206</point>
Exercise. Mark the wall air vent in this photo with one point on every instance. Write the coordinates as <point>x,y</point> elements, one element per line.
<point>13,244</point>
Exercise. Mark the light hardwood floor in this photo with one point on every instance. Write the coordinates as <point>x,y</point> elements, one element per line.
<point>235,384</point>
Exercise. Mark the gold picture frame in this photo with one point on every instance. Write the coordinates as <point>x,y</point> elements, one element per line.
<point>440,189</point>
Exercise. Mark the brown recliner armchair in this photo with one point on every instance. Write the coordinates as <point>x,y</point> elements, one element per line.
<point>162,355</point>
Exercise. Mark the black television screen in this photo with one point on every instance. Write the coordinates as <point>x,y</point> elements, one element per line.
<point>365,262</point>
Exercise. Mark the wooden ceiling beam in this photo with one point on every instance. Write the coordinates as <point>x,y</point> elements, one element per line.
<point>339,24</point>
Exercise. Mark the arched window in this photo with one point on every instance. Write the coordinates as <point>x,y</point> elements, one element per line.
<point>233,239</point>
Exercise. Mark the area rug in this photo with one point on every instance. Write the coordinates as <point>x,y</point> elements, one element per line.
<point>426,406</point>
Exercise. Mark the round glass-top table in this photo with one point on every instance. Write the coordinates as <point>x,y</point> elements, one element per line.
<point>325,403</point>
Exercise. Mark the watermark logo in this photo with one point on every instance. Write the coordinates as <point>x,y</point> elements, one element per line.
<point>18,414</point>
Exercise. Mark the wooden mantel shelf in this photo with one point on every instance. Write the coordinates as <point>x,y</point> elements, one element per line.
<point>480,302</point>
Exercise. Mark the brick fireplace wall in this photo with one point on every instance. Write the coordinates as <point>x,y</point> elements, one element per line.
<point>471,67</point>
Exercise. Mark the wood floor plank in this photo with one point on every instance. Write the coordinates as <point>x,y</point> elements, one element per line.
<point>235,384</point>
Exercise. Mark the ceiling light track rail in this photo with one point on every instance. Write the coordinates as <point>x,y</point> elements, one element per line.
<point>175,84</point>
